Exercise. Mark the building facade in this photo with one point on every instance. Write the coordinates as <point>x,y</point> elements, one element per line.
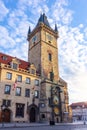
<point>79,111</point>
<point>33,91</point>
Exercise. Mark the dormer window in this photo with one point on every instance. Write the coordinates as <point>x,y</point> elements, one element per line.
<point>4,57</point>
<point>32,71</point>
<point>15,63</point>
<point>15,66</point>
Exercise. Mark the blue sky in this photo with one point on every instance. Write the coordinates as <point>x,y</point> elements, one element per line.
<point>70,16</point>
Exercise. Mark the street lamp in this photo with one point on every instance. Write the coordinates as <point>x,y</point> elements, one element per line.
<point>2,114</point>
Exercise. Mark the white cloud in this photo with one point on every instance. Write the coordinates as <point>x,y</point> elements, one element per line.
<point>78,87</point>
<point>85,33</point>
<point>73,64</point>
<point>60,13</point>
<point>5,40</point>
<point>20,51</point>
<point>3,10</point>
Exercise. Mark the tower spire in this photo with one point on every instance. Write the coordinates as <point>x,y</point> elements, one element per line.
<point>29,31</point>
<point>56,30</point>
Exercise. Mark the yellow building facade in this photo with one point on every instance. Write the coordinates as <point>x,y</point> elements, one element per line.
<point>17,88</point>
<point>33,91</point>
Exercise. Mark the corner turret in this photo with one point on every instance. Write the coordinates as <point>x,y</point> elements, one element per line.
<point>29,31</point>
<point>56,30</point>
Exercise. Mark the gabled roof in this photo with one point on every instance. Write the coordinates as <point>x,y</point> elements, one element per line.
<point>7,59</point>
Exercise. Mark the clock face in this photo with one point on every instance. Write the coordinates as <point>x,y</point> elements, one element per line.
<point>49,38</point>
<point>34,39</point>
<point>55,100</point>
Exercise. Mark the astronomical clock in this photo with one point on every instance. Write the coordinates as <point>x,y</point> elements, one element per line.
<point>55,97</point>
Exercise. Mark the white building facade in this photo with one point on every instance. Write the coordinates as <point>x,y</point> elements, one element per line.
<point>79,111</point>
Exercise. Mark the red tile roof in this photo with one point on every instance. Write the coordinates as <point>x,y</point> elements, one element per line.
<point>79,104</point>
<point>23,64</point>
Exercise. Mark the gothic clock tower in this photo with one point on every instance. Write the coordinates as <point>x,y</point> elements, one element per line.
<point>43,52</point>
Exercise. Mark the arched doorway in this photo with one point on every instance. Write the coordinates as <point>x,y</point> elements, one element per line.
<point>32,115</point>
<point>5,115</point>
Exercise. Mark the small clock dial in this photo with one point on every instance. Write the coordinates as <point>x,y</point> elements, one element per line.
<point>49,38</point>
<point>34,39</point>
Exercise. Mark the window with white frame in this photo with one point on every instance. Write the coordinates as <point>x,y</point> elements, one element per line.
<point>9,75</point>
<point>7,89</point>
<point>4,57</point>
<point>15,66</point>
<point>28,80</point>
<point>36,82</point>
<point>19,78</point>
<point>32,71</point>
<point>36,94</point>
<point>27,92</point>
<point>18,91</point>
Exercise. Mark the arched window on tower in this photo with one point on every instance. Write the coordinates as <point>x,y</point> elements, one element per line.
<point>51,76</point>
<point>49,56</point>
